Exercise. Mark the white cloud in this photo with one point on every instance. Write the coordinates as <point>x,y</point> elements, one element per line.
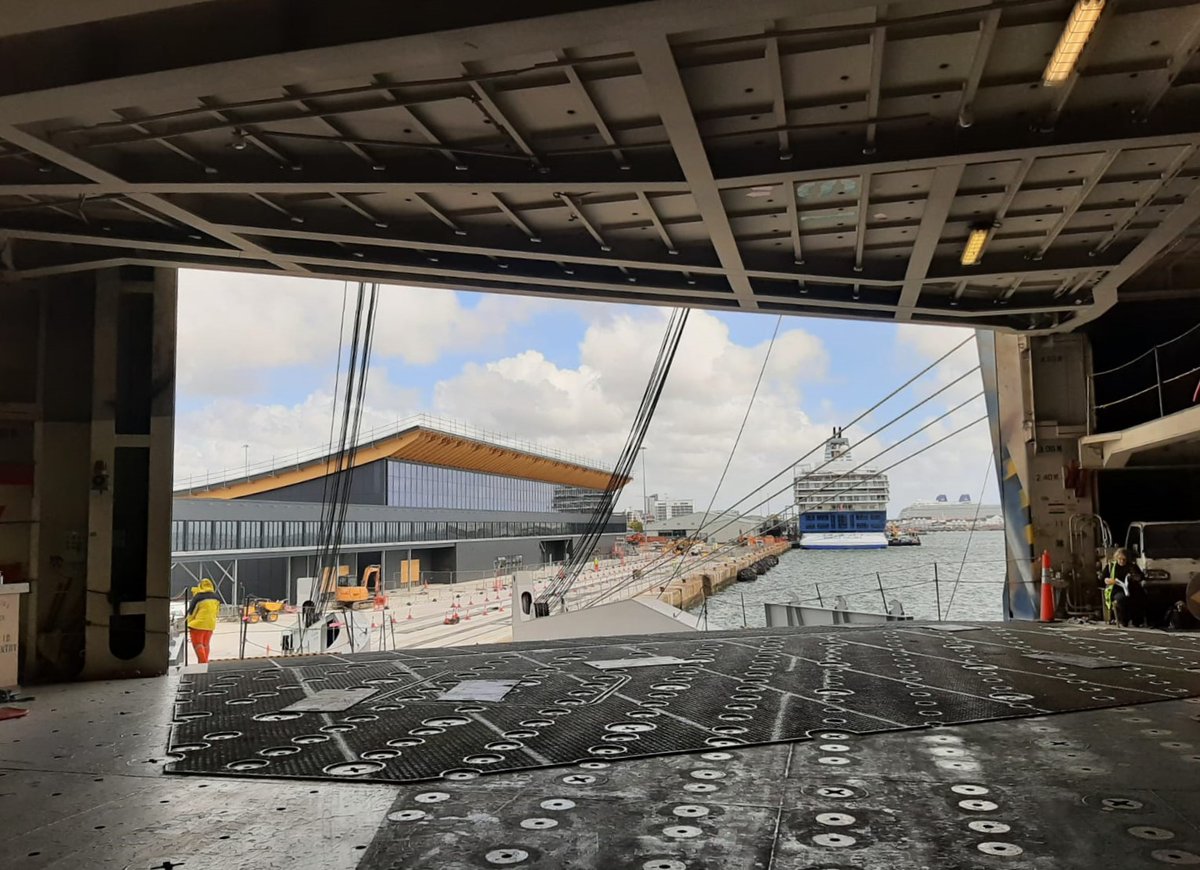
<point>589,409</point>
<point>956,466</point>
<point>234,327</point>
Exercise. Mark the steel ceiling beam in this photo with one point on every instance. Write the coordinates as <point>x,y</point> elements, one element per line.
<point>547,186</point>
<point>860,226</point>
<point>171,146</point>
<point>362,211</point>
<point>577,213</point>
<point>431,207</point>
<point>515,219</point>
<point>1188,45</point>
<point>531,281</point>
<point>1106,160</point>
<point>961,154</point>
<point>246,132</point>
<point>1148,194</point>
<point>67,268</point>
<point>589,105</point>
<point>657,223</point>
<point>874,85</point>
<point>411,104</point>
<point>793,216</point>
<point>670,98</point>
<point>539,185</point>
<point>336,126</point>
<point>1175,224</point>
<point>988,26</point>
<point>80,167</point>
<point>482,98</point>
<point>778,97</point>
<point>933,219</point>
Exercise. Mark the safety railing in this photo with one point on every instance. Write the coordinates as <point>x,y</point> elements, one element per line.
<point>1159,381</point>
<point>283,461</point>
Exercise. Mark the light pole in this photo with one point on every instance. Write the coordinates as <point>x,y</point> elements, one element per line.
<point>645,502</point>
<point>246,459</point>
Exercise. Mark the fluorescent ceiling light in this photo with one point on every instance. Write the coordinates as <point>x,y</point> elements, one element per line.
<point>973,249</point>
<point>1070,45</point>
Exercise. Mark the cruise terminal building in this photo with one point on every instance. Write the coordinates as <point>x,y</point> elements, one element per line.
<point>429,500</point>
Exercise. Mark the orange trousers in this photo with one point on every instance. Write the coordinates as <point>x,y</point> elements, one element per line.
<point>200,639</point>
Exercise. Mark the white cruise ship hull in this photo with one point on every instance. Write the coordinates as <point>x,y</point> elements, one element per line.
<point>843,541</point>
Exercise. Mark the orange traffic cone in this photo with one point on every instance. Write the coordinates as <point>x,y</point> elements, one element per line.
<point>409,614</point>
<point>1047,589</point>
<point>468,616</point>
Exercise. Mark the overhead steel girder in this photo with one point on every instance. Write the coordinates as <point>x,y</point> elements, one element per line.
<point>1104,293</point>
<point>1015,147</point>
<point>1012,147</point>
<point>628,295</point>
<point>1029,270</point>
<point>933,221</point>
<point>661,76</point>
<point>34,145</point>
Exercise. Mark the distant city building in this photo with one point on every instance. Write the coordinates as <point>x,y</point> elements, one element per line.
<point>719,528</point>
<point>682,507</point>
<point>660,507</point>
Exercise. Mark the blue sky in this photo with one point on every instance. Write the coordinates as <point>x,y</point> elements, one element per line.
<point>256,367</point>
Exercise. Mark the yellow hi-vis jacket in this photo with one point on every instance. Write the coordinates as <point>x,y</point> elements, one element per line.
<point>205,606</point>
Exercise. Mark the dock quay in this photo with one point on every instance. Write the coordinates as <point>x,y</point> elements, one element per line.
<point>689,590</point>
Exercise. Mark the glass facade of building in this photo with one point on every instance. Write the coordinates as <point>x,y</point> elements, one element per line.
<point>201,535</point>
<point>411,485</point>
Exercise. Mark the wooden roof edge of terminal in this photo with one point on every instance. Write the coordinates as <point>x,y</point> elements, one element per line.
<point>422,445</point>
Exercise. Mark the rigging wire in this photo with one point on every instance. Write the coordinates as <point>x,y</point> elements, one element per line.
<point>987,470</point>
<point>888,424</point>
<point>337,375</point>
<point>720,551</point>
<point>791,465</point>
<point>806,475</point>
<point>339,465</point>
<point>908,437</point>
<point>738,438</point>
<point>621,472</point>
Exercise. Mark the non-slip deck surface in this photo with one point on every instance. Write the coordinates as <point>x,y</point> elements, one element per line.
<point>733,688</point>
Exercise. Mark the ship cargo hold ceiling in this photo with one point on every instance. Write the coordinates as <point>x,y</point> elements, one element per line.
<point>827,158</point>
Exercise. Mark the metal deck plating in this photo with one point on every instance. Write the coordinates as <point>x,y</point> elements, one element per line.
<point>731,689</point>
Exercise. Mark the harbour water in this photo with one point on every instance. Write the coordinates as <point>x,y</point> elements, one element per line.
<point>906,574</point>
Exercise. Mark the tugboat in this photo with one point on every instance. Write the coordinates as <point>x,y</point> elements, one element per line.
<point>897,537</point>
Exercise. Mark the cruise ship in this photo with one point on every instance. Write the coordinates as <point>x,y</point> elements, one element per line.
<point>841,506</point>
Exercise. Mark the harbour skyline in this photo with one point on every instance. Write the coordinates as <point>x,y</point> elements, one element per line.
<point>565,374</point>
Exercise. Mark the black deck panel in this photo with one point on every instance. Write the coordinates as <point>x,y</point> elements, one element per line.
<point>755,687</point>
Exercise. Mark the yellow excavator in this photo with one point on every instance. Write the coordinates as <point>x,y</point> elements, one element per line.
<point>352,592</point>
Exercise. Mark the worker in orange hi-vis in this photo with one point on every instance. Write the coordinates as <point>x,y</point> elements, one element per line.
<point>202,617</point>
